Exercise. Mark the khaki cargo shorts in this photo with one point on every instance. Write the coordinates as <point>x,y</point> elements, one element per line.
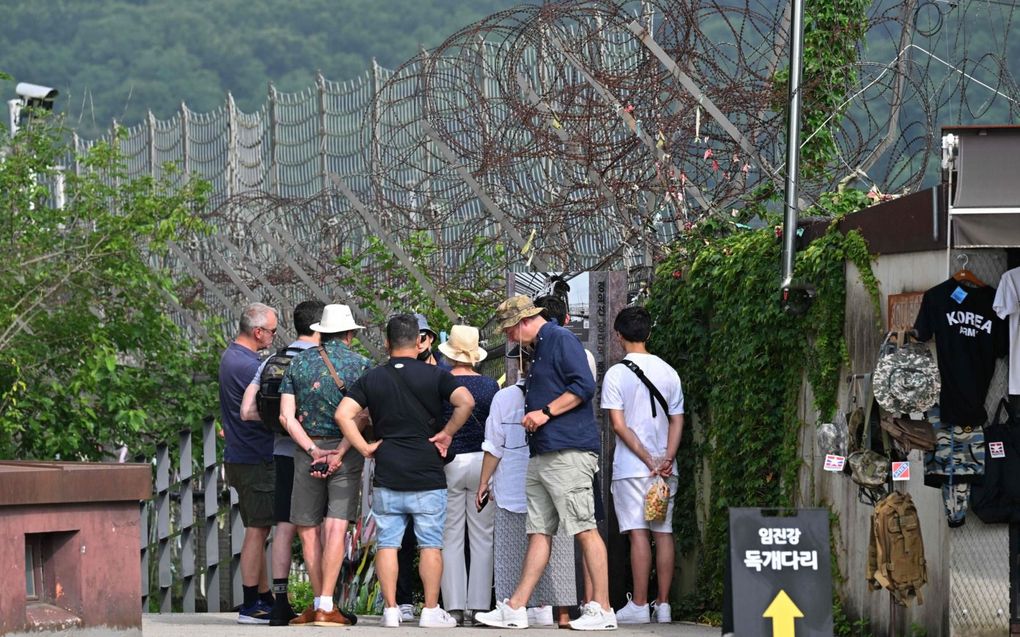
<point>559,490</point>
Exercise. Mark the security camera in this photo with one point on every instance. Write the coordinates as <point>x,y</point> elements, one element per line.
<point>36,96</point>
<point>797,298</point>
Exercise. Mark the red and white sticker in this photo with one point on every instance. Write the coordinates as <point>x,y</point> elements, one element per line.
<point>834,462</point>
<point>997,449</point>
<point>900,471</point>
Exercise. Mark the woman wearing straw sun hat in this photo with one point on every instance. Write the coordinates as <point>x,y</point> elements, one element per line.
<point>464,591</point>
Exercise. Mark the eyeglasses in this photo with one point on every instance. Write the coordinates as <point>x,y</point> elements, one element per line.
<point>272,331</point>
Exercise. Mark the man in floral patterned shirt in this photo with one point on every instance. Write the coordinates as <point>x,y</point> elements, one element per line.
<point>309,395</point>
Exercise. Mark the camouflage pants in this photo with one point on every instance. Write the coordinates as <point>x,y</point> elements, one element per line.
<point>958,460</point>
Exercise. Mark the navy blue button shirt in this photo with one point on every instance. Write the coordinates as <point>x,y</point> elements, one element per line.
<point>560,365</point>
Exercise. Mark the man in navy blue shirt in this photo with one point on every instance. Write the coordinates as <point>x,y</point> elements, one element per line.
<point>564,441</point>
<point>248,457</point>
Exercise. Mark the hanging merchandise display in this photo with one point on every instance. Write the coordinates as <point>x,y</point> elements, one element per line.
<point>906,379</point>
<point>969,336</point>
<point>996,498</point>
<point>1007,303</point>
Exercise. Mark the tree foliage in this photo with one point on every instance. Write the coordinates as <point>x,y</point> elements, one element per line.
<point>89,356</point>
<point>743,361</point>
<point>118,58</point>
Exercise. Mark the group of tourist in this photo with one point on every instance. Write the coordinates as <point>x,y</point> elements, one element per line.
<point>508,474</point>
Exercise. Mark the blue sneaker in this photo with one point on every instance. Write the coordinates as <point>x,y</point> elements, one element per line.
<point>257,613</point>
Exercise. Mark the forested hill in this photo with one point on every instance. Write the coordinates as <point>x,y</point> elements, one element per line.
<point>119,58</point>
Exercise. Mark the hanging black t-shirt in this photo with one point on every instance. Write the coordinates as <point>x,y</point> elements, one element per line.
<point>406,460</point>
<point>969,336</point>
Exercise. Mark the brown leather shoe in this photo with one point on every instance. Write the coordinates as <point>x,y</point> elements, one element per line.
<point>304,619</point>
<point>332,618</point>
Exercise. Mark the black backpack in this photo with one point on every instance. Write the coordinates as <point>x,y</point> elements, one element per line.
<point>267,400</point>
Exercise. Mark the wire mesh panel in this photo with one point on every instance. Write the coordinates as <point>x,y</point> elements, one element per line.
<point>979,553</point>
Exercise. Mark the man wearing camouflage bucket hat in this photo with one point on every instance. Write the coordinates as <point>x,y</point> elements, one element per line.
<point>564,441</point>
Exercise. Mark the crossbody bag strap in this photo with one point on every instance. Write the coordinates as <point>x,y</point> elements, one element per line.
<point>332,370</point>
<point>431,419</point>
<point>654,393</point>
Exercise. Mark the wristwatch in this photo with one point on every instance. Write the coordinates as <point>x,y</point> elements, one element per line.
<point>547,411</point>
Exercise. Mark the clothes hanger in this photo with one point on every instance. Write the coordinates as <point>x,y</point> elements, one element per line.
<point>963,275</point>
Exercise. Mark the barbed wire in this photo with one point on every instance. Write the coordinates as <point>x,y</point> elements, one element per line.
<point>581,134</point>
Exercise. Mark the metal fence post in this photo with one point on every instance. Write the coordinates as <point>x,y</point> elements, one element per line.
<point>185,139</point>
<point>187,523</point>
<point>231,146</point>
<point>210,480</point>
<point>163,526</point>
<point>236,541</point>
<point>320,85</point>
<point>150,121</point>
<point>274,166</point>
<point>143,532</point>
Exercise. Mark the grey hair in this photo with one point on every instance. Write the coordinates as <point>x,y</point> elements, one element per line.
<point>254,315</point>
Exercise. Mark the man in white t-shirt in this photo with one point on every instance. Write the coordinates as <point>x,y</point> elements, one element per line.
<point>648,427</point>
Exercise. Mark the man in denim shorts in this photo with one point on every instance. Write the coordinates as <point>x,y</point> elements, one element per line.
<point>405,397</point>
<point>564,441</point>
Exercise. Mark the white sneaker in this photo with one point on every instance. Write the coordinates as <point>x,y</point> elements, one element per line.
<point>406,612</point>
<point>390,617</point>
<point>436,618</point>
<point>595,617</point>
<point>633,614</point>
<point>663,613</point>
<point>540,616</point>
<point>503,616</point>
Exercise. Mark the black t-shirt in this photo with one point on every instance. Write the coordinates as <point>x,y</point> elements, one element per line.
<point>406,460</point>
<point>969,336</point>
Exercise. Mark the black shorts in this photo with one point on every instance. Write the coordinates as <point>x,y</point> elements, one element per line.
<point>284,487</point>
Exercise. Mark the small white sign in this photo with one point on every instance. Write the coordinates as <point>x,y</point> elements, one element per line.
<point>834,462</point>
<point>997,449</point>
<point>900,471</point>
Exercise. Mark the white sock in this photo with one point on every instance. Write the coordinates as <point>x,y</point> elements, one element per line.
<point>326,603</point>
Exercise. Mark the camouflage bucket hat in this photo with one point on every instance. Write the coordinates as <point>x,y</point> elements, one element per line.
<point>906,378</point>
<point>833,437</point>
<point>513,310</point>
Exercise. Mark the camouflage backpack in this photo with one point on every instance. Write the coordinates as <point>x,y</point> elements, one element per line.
<point>906,378</point>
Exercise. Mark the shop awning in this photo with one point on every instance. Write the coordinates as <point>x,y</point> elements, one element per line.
<point>985,211</point>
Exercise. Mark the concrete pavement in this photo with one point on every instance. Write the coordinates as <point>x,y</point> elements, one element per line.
<point>225,625</point>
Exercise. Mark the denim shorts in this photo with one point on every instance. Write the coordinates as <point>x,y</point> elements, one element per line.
<point>392,510</point>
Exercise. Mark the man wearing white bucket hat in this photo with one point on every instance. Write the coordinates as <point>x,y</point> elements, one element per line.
<point>326,483</point>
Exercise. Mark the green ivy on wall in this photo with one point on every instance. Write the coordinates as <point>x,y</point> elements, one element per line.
<point>742,360</point>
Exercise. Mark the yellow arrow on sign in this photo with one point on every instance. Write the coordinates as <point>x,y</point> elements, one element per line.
<point>782,611</point>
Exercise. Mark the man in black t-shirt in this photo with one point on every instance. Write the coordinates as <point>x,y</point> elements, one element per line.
<point>405,397</point>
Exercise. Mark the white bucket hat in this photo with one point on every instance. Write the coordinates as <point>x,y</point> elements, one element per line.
<point>336,318</point>
<point>462,345</point>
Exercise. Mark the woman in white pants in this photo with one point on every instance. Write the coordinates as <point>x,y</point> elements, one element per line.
<point>464,588</point>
